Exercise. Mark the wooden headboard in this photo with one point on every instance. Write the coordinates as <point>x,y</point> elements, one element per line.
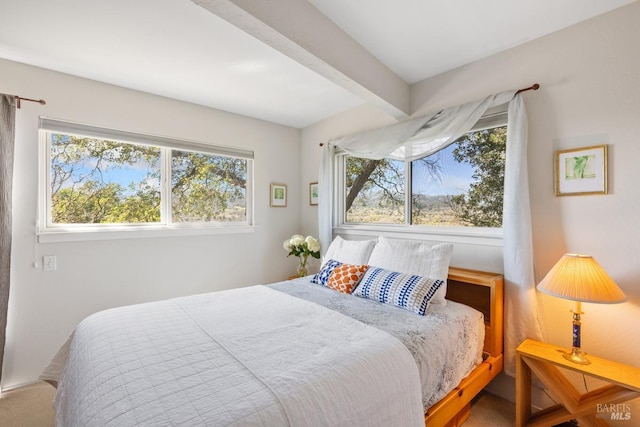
<point>483,291</point>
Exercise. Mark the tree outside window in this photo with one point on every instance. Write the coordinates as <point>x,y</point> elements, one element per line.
<point>460,185</point>
<point>98,181</point>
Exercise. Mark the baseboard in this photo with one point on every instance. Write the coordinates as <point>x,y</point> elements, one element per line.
<point>17,386</point>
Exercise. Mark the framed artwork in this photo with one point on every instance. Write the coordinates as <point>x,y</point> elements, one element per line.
<point>313,194</point>
<point>278,195</point>
<point>581,171</point>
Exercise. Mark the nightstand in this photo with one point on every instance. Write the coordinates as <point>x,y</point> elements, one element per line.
<point>590,409</point>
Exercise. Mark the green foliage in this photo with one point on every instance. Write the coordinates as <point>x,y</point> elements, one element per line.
<point>376,188</point>
<point>99,181</point>
<point>378,182</point>
<point>485,150</point>
<point>81,192</point>
<point>205,186</point>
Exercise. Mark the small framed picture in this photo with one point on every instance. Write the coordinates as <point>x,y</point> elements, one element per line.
<point>313,194</point>
<point>581,171</point>
<point>278,195</point>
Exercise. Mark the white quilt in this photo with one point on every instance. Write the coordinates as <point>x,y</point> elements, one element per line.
<point>446,342</point>
<point>247,357</point>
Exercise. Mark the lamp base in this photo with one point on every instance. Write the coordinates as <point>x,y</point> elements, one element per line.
<point>577,356</point>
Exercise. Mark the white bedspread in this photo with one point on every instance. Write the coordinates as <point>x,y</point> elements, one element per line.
<point>446,342</point>
<point>251,356</point>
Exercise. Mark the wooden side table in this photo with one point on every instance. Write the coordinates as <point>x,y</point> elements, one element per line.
<point>589,409</point>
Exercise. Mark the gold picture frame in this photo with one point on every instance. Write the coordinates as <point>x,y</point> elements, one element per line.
<point>278,195</point>
<point>313,194</point>
<point>581,171</point>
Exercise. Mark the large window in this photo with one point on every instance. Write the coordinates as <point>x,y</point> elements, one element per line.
<point>98,178</point>
<point>461,185</point>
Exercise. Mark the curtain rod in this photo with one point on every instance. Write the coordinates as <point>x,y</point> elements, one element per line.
<point>535,86</point>
<point>20,98</point>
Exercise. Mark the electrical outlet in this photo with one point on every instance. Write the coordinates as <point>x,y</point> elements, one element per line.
<point>49,263</point>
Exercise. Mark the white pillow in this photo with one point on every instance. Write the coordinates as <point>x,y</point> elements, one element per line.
<point>414,257</point>
<point>350,251</point>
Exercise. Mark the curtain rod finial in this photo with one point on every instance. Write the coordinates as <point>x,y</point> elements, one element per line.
<point>535,86</point>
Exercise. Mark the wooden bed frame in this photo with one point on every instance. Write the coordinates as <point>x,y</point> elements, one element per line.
<point>484,292</point>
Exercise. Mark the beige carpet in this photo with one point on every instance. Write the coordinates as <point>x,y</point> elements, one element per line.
<point>27,407</point>
<point>488,410</point>
<point>31,407</point>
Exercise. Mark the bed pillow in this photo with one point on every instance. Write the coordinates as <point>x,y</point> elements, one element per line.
<point>322,276</point>
<point>408,291</point>
<point>414,257</point>
<point>339,276</point>
<point>345,277</point>
<point>355,252</point>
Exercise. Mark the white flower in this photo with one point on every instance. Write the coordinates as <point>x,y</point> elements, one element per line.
<point>302,247</point>
<point>297,240</point>
<point>312,244</point>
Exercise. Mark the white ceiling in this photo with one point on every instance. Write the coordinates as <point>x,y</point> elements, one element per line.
<point>178,49</point>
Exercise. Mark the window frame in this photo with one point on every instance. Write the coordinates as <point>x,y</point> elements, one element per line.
<point>488,236</point>
<point>47,231</point>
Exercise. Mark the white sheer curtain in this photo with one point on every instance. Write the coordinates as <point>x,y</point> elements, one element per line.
<point>424,135</point>
<point>521,314</point>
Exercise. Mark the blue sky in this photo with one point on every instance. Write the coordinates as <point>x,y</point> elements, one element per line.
<point>456,177</point>
<point>123,175</point>
<point>111,172</point>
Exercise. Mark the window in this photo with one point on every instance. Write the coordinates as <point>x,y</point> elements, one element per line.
<point>207,188</point>
<point>99,178</point>
<point>375,191</point>
<point>94,181</point>
<point>461,185</point>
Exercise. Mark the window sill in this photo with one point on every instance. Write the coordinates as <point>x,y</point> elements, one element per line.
<point>464,235</point>
<point>80,235</point>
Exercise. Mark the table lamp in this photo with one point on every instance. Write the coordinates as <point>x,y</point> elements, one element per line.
<point>580,278</point>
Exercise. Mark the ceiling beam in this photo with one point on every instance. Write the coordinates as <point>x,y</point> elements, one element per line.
<point>298,30</point>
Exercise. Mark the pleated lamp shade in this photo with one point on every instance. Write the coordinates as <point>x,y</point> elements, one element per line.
<point>580,278</point>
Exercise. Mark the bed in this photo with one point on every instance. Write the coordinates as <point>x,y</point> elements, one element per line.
<point>290,353</point>
<point>484,291</point>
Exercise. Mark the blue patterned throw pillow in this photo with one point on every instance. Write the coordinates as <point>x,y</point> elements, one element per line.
<point>406,291</point>
<point>322,277</point>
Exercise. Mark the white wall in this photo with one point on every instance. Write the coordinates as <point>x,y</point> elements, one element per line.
<point>94,275</point>
<point>590,81</point>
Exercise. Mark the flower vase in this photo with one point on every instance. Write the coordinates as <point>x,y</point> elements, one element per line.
<point>302,267</point>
